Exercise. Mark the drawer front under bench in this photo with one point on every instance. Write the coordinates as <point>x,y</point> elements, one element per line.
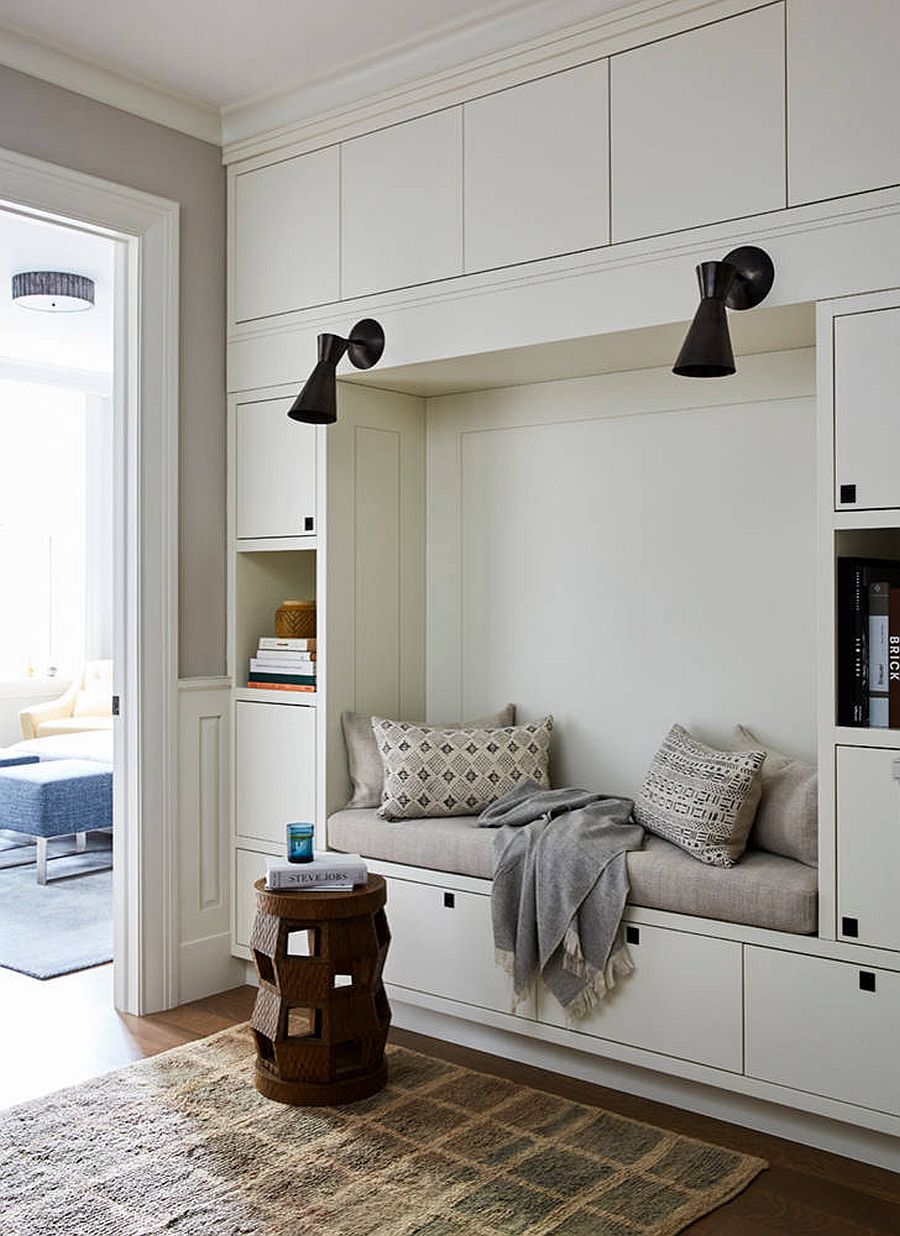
<point>827,1027</point>
<point>684,999</point>
<point>442,945</point>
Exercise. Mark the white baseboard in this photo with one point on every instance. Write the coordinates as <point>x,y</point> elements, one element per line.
<point>207,967</point>
<point>818,1131</point>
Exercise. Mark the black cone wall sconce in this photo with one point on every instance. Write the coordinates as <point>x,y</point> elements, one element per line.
<point>741,280</point>
<point>317,402</point>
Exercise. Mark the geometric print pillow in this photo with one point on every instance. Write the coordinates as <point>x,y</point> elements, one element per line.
<point>438,772</point>
<point>701,799</point>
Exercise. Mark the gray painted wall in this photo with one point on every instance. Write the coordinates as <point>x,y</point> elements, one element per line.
<point>50,123</point>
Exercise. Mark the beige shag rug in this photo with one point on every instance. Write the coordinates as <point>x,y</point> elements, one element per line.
<point>182,1144</point>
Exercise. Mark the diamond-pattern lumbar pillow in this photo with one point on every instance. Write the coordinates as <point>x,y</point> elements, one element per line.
<point>701,799</point>
<point>435,772</point>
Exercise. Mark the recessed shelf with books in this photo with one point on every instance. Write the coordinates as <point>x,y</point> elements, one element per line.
<point>867,640</point>
<point>264,579</point>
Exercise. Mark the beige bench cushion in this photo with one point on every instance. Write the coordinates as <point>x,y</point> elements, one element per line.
<point>762,890</point>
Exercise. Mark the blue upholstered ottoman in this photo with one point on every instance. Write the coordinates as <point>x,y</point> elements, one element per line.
<point>9,758</point>
<point>53,799</point>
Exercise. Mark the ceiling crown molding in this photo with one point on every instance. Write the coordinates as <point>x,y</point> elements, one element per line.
<point>475,58</point>
<point>64,68</point>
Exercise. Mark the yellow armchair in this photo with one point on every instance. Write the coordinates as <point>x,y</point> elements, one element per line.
<point>87,705</point>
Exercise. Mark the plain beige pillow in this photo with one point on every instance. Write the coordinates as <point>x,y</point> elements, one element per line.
<point>364,761</point>
<point>787,819</point>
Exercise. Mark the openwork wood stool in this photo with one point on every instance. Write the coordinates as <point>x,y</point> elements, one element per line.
<point>321,1017</point>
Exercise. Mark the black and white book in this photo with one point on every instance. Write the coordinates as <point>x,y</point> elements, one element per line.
<point>273,642</point>
<point>340,872</point>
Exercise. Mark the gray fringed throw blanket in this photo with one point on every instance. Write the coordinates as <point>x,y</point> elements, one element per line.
<point>560,884</point>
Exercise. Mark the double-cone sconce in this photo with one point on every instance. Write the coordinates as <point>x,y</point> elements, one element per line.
<point>317,402</point>
<point>740,281</point>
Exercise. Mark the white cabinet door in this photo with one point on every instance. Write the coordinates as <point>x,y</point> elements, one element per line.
<point>275,469</point>
<point>866,424</point>
<point>537,169</point>
<point>684,999</point>
<point>868,845</point>
<point>698,126</point>
<point>843,97</point>
<point>401,205</point>
<point>274,768</point>
<point>442,944</point>
<point>286,243</point>
<point>823,1026</point>
<point>249,866</point>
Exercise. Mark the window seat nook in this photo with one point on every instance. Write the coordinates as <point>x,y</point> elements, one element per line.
<point>762,890</point>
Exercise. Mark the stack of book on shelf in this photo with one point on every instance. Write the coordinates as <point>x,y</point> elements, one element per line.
<point>868,643</point>
<point>283,665</point>
<point>337,873</point>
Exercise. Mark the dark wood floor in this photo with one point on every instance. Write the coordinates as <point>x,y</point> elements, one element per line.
<point>804,1191</point>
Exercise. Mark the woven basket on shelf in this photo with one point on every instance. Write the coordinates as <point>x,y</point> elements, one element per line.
<point>296,620</point>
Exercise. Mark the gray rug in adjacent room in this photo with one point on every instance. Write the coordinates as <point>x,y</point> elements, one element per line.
<point>64,925</point>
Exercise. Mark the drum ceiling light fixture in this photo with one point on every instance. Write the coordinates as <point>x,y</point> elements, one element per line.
<point>53,291</point>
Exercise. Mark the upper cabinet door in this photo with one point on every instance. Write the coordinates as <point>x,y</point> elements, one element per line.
<point>866,424</point>
<point>537,169</point>
<point>286,248</point>
<point>401,205</point>
<point>843,97</point>
<point>698,126</point>
<point>275,471</point>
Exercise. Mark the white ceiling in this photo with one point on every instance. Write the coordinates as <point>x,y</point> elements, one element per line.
<point>224,52</point>
<point>82,341</point>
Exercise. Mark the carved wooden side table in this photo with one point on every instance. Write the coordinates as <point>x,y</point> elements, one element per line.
<point>321,1016</point>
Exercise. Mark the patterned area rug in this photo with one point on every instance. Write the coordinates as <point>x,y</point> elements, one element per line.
<point>183,1144</point>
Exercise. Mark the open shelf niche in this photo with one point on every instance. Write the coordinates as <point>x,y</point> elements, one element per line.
<point>263,579</point>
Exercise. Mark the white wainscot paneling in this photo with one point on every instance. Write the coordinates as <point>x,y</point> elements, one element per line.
<point>823,1026</point>
<point>206,965</point>
<point>866,425</point>
<point>286,235</point>
<point>698,126</point>
<point>843,97</point>
<point>401,205</point>
<point>537,169</point>
<point>618,551</point>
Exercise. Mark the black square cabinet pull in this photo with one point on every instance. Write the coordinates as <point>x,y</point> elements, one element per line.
<point>866,980</point>
<point>307,523</point>
<point>850,927</point>
<point>449,901</point>
<point>632,935</point>
<point>848,493</point>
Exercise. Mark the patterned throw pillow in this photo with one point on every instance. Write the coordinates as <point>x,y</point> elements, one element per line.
<point>701,799</point>
<point>431,772</point>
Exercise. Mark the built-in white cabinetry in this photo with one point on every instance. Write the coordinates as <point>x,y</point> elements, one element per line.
<point>823,1026</point>
<point>866,423</point>
<point>698,126</point>
<point>843,97</point>
<point>442,944</point>
<point>537,169</point>
<point>249,866</point>
<point>274,769</point>
<point>275,472</point>
<point>401,205</point>
<point>684,999</point>
<point>286,235</point>
<point>868,845</point>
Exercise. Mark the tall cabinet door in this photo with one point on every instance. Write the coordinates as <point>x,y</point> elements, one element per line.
<point>537,169</point>
<point>275,472</point>
<point>868,845</point>
<point>866,424</point>
<point>843,97</point>
<point>698,126</point>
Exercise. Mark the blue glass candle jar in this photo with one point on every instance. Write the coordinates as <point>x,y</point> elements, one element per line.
<point>300,843</point>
